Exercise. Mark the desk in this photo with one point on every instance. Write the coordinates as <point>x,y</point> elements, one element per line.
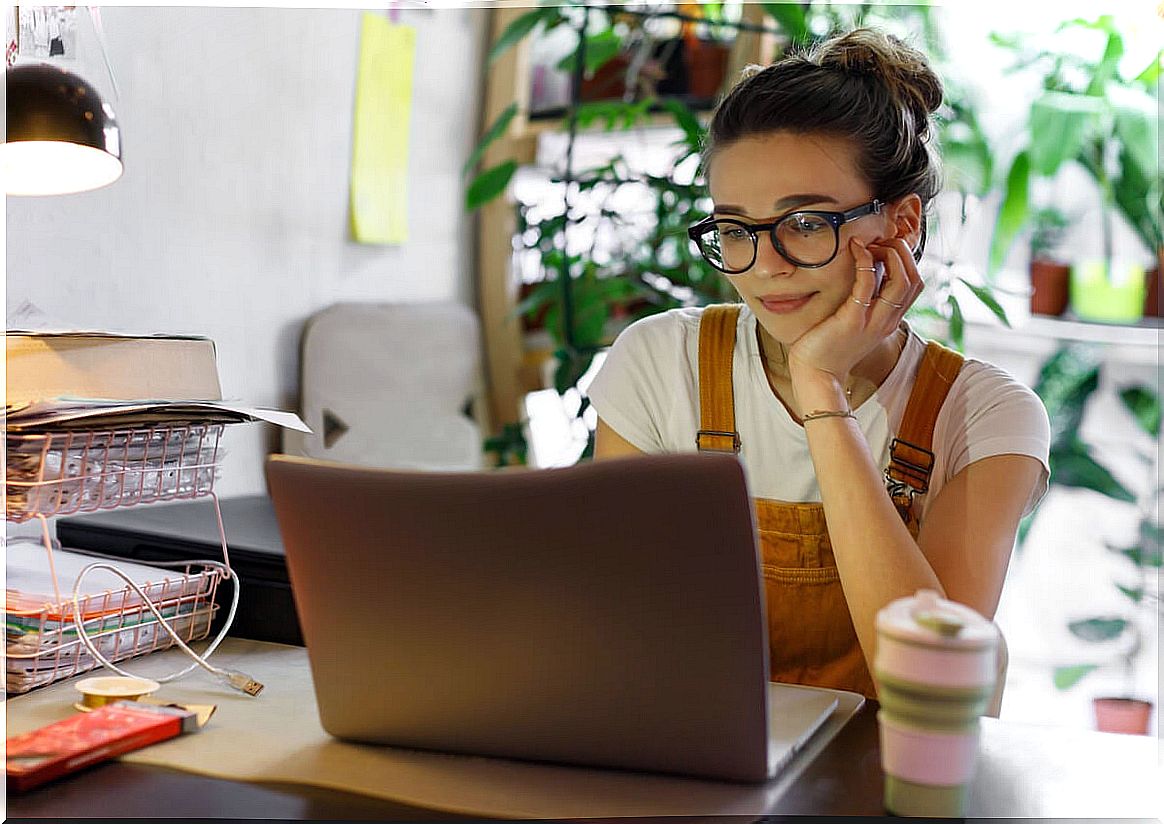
<point>1023,771</point>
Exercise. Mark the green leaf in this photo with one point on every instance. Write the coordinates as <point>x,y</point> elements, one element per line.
<point>1150,76</point>
<point>1076,468</point>
<point>791,19</point>
<point>489,184</point>
<point>1144,406</point>
<point>539,296</point>
<point>1013,212</point>
<point>518,29</point>
<point>1059,124</point>
<point>1136,595</point>
<point>957,323</point>
<point>1137,124</point>
<point>987,297</point>
<point>1098,629</point>
<point>1067,677</point>
<point>600,48</point>
<point>495,131</point>
<point>686,120</point>
<point>1146,556</point>
<point>1066,380</point>
<point>570,369</point>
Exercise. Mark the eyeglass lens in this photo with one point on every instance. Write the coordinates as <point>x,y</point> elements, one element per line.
<point>806,239</point>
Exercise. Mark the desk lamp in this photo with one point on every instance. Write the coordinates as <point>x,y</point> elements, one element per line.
<point>60,137</point>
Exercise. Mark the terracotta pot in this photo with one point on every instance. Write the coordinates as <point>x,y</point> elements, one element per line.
<point>1126,715</point>
<point>706,67</point>
<point>538,321</point>
<point>608,82</point>
<point>1049,284</point>
<point>1152,307</point>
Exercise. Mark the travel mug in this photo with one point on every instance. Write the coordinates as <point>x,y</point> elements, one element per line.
<point>935,668</point>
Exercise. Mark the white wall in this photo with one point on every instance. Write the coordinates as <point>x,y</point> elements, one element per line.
<point>231,219</point>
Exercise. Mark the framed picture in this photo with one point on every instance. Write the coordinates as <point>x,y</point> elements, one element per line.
<point>47,32</point>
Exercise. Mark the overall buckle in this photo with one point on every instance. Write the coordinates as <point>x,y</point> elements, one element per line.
<point>735,436</point>
<point>909,465</point>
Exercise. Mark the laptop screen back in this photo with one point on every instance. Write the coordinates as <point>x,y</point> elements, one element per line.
<point>607,614</point>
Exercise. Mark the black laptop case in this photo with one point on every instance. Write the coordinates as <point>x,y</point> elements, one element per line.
<point>189,531</point>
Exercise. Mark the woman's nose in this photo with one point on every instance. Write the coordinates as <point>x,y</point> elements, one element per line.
<point>769,261</point>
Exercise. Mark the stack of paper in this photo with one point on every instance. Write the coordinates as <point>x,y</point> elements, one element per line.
<point>41,640</point>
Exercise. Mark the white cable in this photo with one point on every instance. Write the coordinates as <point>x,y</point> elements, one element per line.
<point>238,680</point>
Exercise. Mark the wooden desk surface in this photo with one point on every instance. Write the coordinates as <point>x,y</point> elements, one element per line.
<point>1023,771</point>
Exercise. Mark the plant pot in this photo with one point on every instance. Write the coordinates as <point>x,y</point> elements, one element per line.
<point>1050,287</point>
<point>1152,293</point>
<point>1152,308</point>
<point>706,67</point>
<point>538,321</point>
<point>1116,299</point>
<point>606,83</point>
<point>1126,715</point>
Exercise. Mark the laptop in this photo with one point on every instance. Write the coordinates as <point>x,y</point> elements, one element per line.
<point>608,614</point>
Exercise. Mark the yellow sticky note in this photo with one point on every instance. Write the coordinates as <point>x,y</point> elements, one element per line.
<point>379,185</point>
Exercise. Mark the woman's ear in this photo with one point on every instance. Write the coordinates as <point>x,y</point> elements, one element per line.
<point>907,218</point>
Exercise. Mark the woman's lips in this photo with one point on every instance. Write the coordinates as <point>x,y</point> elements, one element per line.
<point>781,305</point>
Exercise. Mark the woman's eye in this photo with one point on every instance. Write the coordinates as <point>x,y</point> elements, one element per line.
<point>808,225</point>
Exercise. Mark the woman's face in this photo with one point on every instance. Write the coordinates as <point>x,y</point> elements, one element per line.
<point>763,178</point>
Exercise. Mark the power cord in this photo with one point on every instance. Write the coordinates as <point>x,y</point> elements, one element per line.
<point>233,678</point>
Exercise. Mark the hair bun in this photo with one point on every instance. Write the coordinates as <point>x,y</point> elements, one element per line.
<point>902,69</point>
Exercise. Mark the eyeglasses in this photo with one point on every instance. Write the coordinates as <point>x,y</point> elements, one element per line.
<point>809,239</point>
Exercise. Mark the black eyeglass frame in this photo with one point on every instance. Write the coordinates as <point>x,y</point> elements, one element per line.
<point>835,219</point>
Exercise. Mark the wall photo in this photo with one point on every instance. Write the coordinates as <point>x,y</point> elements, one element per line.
<point>47,32</point>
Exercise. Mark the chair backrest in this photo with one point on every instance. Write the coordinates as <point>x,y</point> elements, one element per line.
<point>391,385</point>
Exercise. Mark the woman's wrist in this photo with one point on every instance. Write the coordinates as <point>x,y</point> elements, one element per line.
<point>817,390</point>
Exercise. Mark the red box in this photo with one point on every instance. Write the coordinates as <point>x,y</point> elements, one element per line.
<point>85,739</point>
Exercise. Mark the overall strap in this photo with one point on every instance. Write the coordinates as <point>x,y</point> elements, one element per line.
<point>717,413</point>
<point>911,456</point>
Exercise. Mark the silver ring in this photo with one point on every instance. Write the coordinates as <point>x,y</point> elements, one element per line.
<point>862,303</point>
<point>891,303</point>
<point>866,269</point>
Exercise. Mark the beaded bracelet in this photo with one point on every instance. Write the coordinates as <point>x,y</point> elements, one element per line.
<point>812,416</point>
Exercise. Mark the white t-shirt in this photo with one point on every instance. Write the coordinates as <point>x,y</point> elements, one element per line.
<point>648,392</point>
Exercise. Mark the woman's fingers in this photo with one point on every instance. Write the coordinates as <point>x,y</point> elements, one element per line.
<point>902,282</point>
<point>865,281</point>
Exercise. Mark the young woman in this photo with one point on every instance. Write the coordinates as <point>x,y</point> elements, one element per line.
<point>880,464</point>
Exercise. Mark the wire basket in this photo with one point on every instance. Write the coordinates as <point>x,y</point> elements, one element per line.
<point>41,641</point>
<point>63,472</point>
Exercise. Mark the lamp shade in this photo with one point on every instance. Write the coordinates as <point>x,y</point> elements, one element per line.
<point>60,136</point>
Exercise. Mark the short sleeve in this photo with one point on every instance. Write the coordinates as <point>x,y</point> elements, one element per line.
<point>990,413</point>
<point>632,391</point>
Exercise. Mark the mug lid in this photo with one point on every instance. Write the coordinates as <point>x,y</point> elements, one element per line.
<point>926,618</point>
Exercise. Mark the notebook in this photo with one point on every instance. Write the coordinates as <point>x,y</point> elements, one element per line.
<point>608,614</point>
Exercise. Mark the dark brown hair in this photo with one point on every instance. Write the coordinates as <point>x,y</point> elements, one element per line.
<point>865,86</point>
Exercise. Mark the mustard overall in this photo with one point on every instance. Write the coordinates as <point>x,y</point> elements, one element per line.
<point>810,632</point>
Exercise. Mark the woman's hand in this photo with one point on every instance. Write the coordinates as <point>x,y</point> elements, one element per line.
<point>829,351</point>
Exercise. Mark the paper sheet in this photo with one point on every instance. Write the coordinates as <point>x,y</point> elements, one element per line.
<point>379,192</point>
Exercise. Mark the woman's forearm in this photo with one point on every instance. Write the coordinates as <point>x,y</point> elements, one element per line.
<point>877,558</point>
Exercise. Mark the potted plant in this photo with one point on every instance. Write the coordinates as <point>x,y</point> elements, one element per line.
<point>1091,115</point>
<point>647,264</point>
<point>706,47</point>
<point>1066,383</point>
<point>1049,273</point>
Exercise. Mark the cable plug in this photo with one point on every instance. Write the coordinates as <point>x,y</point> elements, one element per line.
<point>241,681</point>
